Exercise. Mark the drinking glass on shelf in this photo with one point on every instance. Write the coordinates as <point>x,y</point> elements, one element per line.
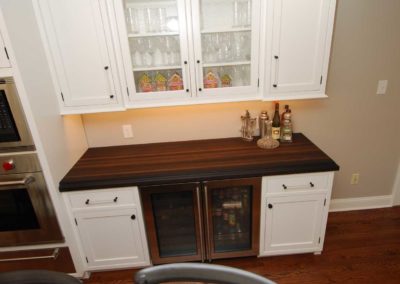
<point>132,19</point>
<point>151,18</point>
<point>162,19</point>
<point>235,12</point>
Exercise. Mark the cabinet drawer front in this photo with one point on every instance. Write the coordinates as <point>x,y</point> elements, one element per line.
<point>300,182</point>
<point>98,198</point>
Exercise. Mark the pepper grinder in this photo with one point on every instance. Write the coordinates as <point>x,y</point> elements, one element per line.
<point>262,119</point>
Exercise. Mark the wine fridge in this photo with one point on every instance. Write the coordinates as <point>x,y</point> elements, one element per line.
<point>202,221</point>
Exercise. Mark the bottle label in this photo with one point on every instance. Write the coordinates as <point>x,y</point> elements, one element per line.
<point>276,132</point>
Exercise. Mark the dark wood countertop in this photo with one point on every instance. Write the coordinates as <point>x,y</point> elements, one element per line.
<point>188,161</point>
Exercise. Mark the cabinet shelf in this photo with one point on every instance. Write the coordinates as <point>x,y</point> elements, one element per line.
<point>155,68</point>
<point>234,63</point>
<point>153,34</point>
<point>226,30</point>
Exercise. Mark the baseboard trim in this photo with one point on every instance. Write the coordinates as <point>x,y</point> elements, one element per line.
<point>361,203</point>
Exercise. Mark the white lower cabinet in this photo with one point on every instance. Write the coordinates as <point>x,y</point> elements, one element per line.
<point>294,212</point>
<point>110,228</point>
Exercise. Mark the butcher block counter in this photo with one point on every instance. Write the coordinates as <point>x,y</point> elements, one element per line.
<point>187,161</point>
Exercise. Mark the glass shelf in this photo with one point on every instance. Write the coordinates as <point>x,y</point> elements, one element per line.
<point>226,30</point>
<point>155,68</point>
<point>217,64</point>
<point>153,34</point>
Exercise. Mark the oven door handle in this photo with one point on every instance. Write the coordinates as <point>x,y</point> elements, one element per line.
<point>25,181</point>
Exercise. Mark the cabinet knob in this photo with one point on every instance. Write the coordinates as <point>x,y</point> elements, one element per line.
<point>187,90</point>
<point>111,96</point>
<point>106,67</point>
<point>200,89</point>
<point>133,217</point>
<point>284,186</point>
<point>311,184</point>
<point>274,85</point>
<point>87,201</point>
<point>198,61</point>
<point>115,199</point>
<point>270,206</point>
<point>185,62</point>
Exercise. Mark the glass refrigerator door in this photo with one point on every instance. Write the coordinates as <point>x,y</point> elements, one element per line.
<point>231,209</point>
<point>173,222</point>
<point>232,217</point>
<point>226,46</point>
<point>157,46</point>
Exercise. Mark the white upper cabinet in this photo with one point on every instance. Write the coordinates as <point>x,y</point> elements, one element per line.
<point>297,48</point>
<point>185,52</point>
<point>81,52</point>
<point>106,55</point>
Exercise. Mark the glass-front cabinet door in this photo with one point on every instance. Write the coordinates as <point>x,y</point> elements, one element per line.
<point>225,37</point>
<point>157,49</point>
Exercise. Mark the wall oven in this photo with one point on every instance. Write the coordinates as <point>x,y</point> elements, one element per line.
<point>14,131</point>
<point>27,215</point>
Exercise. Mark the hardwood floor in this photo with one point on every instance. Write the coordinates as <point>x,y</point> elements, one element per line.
<point>360,247</point>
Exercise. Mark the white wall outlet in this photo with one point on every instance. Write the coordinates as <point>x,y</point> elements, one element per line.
<point>382,87</point>
<point>127,131</point>
<point>355,178</point>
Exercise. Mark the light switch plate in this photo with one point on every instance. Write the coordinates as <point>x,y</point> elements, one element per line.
<point>382,87</point>
<point>127,131</point>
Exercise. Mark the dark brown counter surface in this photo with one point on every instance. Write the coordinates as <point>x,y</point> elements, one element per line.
<point>189,161</point>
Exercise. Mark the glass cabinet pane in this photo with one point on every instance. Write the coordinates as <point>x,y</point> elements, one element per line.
<point>155,45</point>
<point>232,218</point>
<point>225,27</point>
<point>175,223</point>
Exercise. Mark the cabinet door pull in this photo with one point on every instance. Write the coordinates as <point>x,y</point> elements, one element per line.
<point>114,200</point>
<point>133,217</point>
<point>270,206</point>
<point>275,84</point>
<point>300,186</point>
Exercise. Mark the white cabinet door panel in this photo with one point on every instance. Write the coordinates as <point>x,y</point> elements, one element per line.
<point>112,238</point>
<point>293,223</point>
<point>81,51</point>
<point>300,31</point>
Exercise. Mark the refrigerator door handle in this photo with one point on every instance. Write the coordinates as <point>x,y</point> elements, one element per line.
<point>202,247</point>
<point>208,240</point>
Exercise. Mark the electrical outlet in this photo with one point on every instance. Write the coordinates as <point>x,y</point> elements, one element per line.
<point>382,86</point>
<point>127,131</point>
<point>355,178</point>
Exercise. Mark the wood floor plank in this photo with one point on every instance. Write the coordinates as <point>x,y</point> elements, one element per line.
<point>360,247</point>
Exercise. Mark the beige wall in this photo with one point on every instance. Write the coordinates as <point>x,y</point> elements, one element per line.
<point>356,127</point>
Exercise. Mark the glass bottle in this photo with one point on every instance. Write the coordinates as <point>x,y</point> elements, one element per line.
<point>276,124</point>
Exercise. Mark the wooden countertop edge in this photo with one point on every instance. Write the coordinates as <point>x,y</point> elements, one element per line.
<point>182,177</point>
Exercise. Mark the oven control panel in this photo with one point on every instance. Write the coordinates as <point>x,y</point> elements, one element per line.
<point>19,163</point>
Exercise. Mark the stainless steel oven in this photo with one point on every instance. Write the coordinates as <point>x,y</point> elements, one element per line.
<point>14,131</point>
<point>27,214</point>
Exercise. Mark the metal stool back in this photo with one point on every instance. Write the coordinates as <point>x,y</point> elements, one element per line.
<point>198,272</point>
